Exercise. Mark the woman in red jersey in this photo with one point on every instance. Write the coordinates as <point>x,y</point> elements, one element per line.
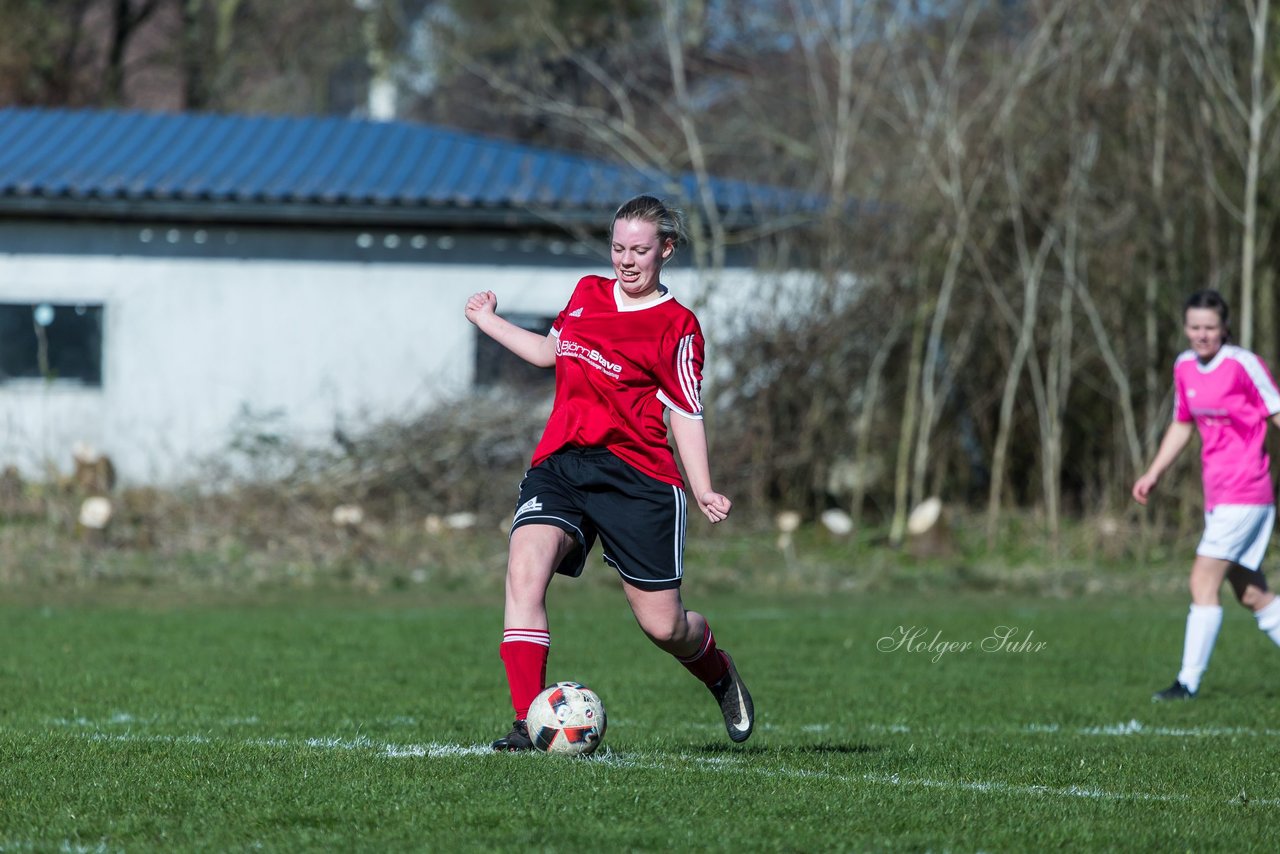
<point>626,354</point>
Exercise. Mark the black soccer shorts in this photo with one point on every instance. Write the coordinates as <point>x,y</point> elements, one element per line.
<point>588,492</point>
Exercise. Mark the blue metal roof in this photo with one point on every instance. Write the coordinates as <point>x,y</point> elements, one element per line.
<point>319,168</point>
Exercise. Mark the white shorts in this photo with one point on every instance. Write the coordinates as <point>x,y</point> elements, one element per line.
<point>1238,533</point>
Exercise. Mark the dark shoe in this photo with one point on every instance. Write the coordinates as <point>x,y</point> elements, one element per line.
<point>735,703</point>
<point>1176,691</point>
<point>517,739</point>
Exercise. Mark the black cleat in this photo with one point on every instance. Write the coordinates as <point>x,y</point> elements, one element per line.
<point>517,739</point>
<point>735,703</point>
<point>1176,691</point>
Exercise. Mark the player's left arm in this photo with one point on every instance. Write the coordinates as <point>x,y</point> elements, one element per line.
<point>1264,388</point>
<point>691,441</point>
<point>679,377</point>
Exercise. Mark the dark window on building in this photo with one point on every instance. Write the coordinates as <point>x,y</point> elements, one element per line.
<point>51,341</point>
<point>498,366</point>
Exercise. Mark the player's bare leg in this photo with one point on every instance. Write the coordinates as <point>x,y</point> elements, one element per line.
<point>535,552</point>
<point>1207,575</point>
<point>663,618</point>
<point>1251,589</point>
<point>687,636</point>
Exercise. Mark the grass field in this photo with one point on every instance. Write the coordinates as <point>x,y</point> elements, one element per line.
<point>313,724</point>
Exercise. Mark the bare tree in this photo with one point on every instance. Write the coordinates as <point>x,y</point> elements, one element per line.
<point>707,210</point>
<point>248,55</point>
<point>953,118</point>
<point>254,56</point>
<point>641,113</point>
<point>1242,101</point>
<point>1031,268</point>
<point>126,19</point>
<point>46,52</point>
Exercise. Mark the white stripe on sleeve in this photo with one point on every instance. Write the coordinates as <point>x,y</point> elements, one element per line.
<point>1266,387</point>
<point>687,376</point>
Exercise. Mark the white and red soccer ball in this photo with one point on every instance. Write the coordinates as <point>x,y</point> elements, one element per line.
<point>567,718</point>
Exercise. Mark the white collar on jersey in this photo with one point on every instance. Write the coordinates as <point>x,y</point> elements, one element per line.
<point>622,306</point>
<point>1218,357</point>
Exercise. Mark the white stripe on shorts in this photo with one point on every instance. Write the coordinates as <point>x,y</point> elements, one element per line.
<point>681,519</point>
<point>1238,533</point>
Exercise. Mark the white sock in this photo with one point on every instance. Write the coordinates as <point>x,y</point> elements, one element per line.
<point>1269,619</point>
<point>1203,622</point>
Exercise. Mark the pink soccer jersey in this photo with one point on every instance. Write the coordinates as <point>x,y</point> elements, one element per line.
<point>1230,400</point>
<point>618,369</point>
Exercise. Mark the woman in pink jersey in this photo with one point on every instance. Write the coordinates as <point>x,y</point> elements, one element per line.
<point>628,358</point>
<point>1226,393</point>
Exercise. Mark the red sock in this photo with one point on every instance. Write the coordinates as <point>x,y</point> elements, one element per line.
<point>524,652</point>
<point>707,663</point>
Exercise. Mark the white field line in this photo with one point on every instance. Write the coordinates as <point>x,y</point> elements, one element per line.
<point>1131,727</point>
<point>897,780</point>
<point>360,743</point>
<point>1128,728</point>
<point>1052,791</point>
<point>717,764</point>
<point>65,847</point>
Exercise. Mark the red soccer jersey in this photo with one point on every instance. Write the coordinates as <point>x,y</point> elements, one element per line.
<point>617,368</point>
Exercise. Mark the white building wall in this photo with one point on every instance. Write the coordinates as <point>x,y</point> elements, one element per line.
<point>191,343</point>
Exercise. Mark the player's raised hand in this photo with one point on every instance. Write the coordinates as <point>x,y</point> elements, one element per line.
<point>485,302</point>
<point>715,506</point>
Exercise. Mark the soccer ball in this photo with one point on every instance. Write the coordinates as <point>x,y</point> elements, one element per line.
<point>567,718</point>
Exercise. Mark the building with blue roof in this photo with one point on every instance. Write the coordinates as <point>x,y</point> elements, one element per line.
<point>123,165</point>
<point>163,275</point>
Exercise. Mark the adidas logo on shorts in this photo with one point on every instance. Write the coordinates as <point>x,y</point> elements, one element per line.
<point>529,506</point>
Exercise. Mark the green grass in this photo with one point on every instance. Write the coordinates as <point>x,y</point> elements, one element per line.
<point>361,725</point>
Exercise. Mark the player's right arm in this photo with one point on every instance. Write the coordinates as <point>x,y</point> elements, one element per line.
<point>1175,439</point>
<point>482,310</point>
